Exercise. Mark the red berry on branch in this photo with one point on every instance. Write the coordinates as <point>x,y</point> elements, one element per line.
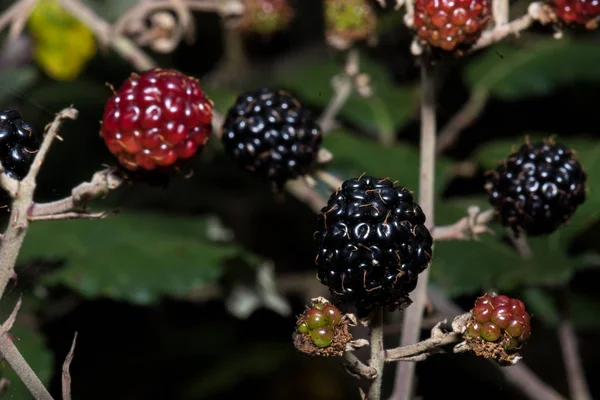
<point>448,24</point>
<point>155,119</point>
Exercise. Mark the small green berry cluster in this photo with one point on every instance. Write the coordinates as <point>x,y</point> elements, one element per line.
<point>500,319</point>
<point>319,323</point>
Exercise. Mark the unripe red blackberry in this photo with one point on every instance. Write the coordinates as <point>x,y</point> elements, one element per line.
<point>577,12</point>
<point>372,243</point>
<point>19,143</point>
<point>538,188</point>
<point>271,134</point>
<point>449,24</point>
<point>500,320</point>
<point>155,119</point>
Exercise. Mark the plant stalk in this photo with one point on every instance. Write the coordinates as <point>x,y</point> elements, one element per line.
<point>413,316</point>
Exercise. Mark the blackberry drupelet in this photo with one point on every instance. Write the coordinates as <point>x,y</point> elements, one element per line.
<point>538,188</point>
<point>271,134</point>
<point>19,144</point>
<point>372,243</point>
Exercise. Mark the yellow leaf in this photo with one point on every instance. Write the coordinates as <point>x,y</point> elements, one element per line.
<point>63,45</point>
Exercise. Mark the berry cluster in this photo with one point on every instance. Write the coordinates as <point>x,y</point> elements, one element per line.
<point>155,119</point>
<point>271,134</point>
<point>537,188</point>
<point>319,322</point>
<point>448,24</point>
<point>500,319</point>
<point>372,243</point>
<point>19,144</point>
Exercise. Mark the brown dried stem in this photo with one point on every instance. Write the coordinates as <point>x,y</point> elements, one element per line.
<point>66,373</point>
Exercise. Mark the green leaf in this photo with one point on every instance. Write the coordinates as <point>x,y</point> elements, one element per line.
<point>32,347</point>
<point>389,108</point>
<point>355,155</point>
<point>465,267</point>
<point>588,154</point>
<point>134,257</point>
<point>17,80</point>
<point>514,71</point>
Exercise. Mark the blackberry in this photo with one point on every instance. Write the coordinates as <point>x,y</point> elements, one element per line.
<point>271,134</point>
<point>372,243</point>
<point>156,119</point>
<point>448,24</point>
<point>538,188</point>
<point>19,144</point>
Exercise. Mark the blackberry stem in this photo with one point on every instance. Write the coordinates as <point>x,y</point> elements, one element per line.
<point>578,386</point>
<point>377,361</point>
<point>413,316</point>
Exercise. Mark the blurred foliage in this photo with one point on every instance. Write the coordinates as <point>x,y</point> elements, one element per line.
<point>515,71</point>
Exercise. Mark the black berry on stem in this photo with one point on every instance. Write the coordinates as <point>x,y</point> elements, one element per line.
<point>372,243</point>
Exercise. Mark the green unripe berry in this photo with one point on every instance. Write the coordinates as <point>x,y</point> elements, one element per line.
<point>315,318</point>
<point>333,315</point>
<point>322,337</point>
<point>473,330</point>
<point>516,328</point>
<point>303,328</point>
<point>490,332</point>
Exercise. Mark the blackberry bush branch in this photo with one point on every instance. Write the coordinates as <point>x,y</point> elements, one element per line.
<point>101,183</point>
<point>13,357</point>
<point>19,217</point>
<point>102,29</point>
<point>343,86</point>
<point>357,367</point>
<point>578,386</point>
<point>377,361</point>
<point>413,316</point>
<point>467,228</point>
<point>66,373</point>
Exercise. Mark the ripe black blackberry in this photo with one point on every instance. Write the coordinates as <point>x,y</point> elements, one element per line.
<point>538,188</point>
<point>18,146</point>
<point>271,134</point>
<point>372,243</point>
